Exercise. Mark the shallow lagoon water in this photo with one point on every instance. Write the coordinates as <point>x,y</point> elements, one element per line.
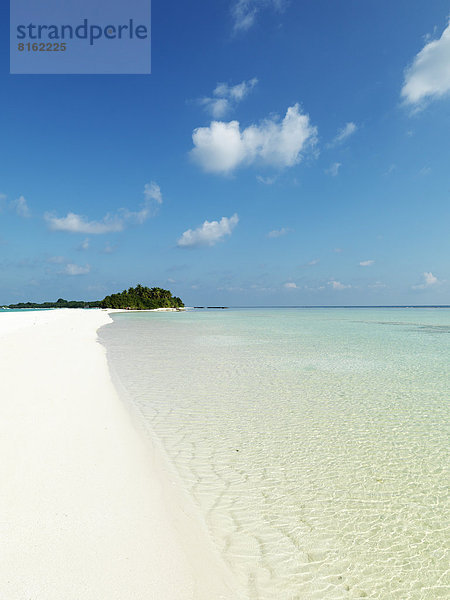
<point>313,441</point>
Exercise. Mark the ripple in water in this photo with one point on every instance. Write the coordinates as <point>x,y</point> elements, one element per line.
<point>315,442</point>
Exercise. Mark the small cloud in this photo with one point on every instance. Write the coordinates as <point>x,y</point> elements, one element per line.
<point>366,263</point>
<point>290,285</point>
<point>311,263</point>
<point>84,245</point>
<point>276,233</point>
<point>152,191</point>
<point>74,223</point>
<point>20,207</point>
<point>318,288</point>
<point>56,260</point>
<point>72,269</point>
<point>266,180</point>
<point>244,12</point>
<point>108,249</point>
<point>333,170</point>
<point>428,77</point>
<point>152,200</point>
<point>390,169</point>
<point>209,233</point>
<point>342,134</point>
<point>222,147</point>
<point>429,281</point>
<point>226,96</point>
<point>338,250</point>
<point>425,171</point>
<point>337,285</point>
<point>235,92</point>
<point>377,285</point>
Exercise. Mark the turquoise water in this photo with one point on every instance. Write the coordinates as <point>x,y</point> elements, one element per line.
<point>313,441</point>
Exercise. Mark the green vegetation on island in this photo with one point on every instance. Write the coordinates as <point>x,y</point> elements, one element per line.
<point>138,298</point>
<point>58,304</point>
<point>142,298</point>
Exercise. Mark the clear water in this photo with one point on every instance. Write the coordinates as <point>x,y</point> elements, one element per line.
<point>314,441</point>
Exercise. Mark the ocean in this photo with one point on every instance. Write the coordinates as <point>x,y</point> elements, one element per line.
<point>313,442</point>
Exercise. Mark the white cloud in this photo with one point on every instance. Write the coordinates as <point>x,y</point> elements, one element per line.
<point>337,285</point>
<point>390,169</point>
<point>225,96</point>
<point>346,131</point>
<point>222,147</point>
<point>318,288</point>
<point>366,263</point>
<point>108,249</point>
<point>152,200</point>
<point>72,269</point>
<point>275,233</point>
<point>334,169</point>
<point>266,180</point>
<point>290,285</point>
<point>78,224</point>
<point>20,206</point>
<point>313,262</point>
<point>244,12</point>
<point>152,191</point>
<point>57,260</point>
<point>377,285</point>
<point>235,92</point>
<point>84,244</point>
<point>74,223</point>
<point>429,281</point>
<point>217,107</point>
<point>428,77</point>
<point>209,233</point>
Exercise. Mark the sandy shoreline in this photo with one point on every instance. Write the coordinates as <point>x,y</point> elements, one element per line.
<point>83,513</point>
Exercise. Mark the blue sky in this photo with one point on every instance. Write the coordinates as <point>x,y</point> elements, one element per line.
<point>280,153</point>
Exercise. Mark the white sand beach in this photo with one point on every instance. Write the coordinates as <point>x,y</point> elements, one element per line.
<point>83,513</point>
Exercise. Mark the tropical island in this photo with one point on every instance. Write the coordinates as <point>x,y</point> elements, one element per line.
<point>138,298</point>
<point>60,303</point>
<point>142,298</point>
